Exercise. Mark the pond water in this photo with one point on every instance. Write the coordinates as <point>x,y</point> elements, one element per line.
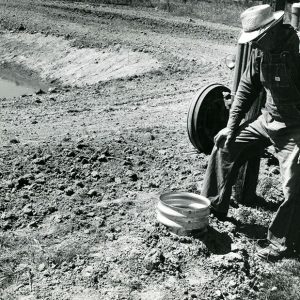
<point>12,88</point>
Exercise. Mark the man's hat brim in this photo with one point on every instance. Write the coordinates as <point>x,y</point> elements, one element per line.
<point>250,36</point>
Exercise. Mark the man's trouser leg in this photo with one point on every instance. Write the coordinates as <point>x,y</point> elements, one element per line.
<point>284,230</point>
<point>224,163</point>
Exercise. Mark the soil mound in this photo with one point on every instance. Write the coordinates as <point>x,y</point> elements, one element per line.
<point>54,58</point>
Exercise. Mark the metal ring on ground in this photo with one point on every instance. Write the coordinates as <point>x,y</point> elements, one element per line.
<point>184,203</point>
<point>172,213</point>
<point>184,225</point>
<point>183,211</point>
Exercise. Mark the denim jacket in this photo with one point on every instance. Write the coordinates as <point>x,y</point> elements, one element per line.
<point>278,72</point>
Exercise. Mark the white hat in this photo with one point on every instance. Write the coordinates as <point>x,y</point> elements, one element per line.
<point>256,20</point>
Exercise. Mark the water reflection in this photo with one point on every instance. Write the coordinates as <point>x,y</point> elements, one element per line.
<point>9,89</point>
<point>16,81</point>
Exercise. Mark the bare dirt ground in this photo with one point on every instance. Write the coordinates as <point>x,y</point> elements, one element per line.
<point>82,165</point>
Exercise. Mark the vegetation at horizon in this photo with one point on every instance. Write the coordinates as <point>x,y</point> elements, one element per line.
<point>218,11</point>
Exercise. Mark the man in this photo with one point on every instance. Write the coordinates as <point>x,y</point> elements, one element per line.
<point>274,65</point>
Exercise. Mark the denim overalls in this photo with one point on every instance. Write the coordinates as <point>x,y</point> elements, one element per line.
<point>278,125</point>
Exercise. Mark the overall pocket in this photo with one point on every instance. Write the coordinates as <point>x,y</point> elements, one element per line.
<point>274,75</point>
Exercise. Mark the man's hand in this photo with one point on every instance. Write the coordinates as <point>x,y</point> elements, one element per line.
<point>224,133</point>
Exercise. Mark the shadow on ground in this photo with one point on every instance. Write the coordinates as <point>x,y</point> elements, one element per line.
<point>259,201</point>
<point>216,242</point>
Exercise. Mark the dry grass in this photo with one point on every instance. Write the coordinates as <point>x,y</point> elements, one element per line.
<point>217,11</point>
<point>224,12</point>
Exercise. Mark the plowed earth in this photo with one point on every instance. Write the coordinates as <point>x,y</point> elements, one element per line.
<point>82,165</point>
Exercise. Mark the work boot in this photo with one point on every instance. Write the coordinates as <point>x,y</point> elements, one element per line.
<point>272,253</point>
